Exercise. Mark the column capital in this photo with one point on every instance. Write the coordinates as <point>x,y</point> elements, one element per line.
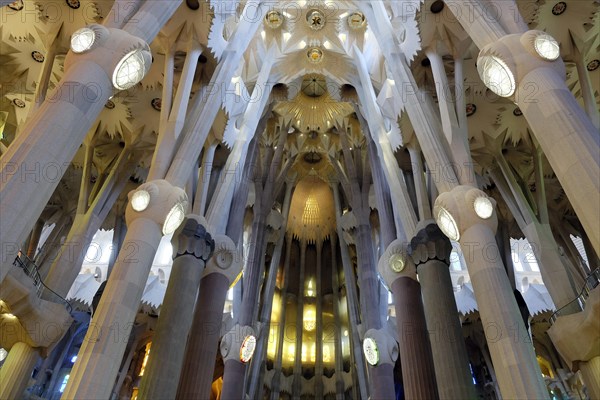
<point>109,48</point>
<point>430,243</point>
<point>514,56</point>
<point>463,207</point>
<point>380,347</point>
<point>238,344</point>
<point>158,201</point>
<point>225,260</point>
<point>396,263</point>
<point>191,238</point>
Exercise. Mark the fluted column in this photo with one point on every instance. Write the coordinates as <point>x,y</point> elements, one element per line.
<point>221,271</point>
<point>192,247</point>
<point>100,356</point>
<point>510,346</point>
<point>16,370</point>
<point>430,251</point>
<point>399,272</point>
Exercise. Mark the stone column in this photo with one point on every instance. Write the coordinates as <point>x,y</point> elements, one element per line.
<point>16,370</point>
<point>192,247</point>
<point>233,355</point>
<point>221,271</point>
<point>104,344</point>
<point>258,365</point>
<point>76,102</point>
<point>564,131</point>
<point>430,251</point>
<point>468,215</point>
<point>351,301</point>
<point>399,272</point>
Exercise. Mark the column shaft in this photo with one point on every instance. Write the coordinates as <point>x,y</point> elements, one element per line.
<point>591,376</point>
<point>569,140</point>
<point>16,370</point>
<point>102,350</point>
<point>201,351</point>
<point>445,333</point>
<point>418,372</point>
<point>168,345</point>
<point>510,346</point>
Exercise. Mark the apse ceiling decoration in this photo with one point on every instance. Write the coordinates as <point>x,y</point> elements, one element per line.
<point>312,213</point>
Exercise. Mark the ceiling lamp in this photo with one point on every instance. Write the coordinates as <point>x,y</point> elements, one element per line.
<point>397,262</point>
<point>131,69</point>
<point>82,40</point>
<point>315,55</point>
<point>496,75</point>
<point>356,20</point>
<point>315,19</point>
<point>371,351</point>
<point>174,219</point>
<point>547,47</point>
<point>273,19</point>
<point>483,207</point>
<point>447,224</point>
<point>140,200</point>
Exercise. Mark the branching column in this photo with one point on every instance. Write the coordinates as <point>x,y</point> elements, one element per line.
<point>509,342</point>
<point>100,355</point>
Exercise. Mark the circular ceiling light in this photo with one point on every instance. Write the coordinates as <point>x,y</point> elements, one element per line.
<point>447,224</point>
<point>315,55</point>
<point>140,200</point>
<point>37,56</point>
<point>471,109</point>
<point>356,20</point>
<point>131,69</point>
<point>156,103</point>
<point>371,351</point>
<point>397,263</point>
<point>559,8</point>
<point>437,7</point>
<point>593,65</point>
<point>19,103</point>
<point>82,40</point>
<point>547,47</point>
<point>274,19</point>
<point>483,207</point>
<point>247,348</point>
<point>315,19</point>
<point>496,75</point>
<point>174,219</point>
